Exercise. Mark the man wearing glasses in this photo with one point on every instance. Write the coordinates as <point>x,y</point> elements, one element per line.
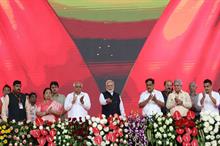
<point>151,100</point>
<point>209,100</point>
<point>77,103</point>
<point>179,100</point>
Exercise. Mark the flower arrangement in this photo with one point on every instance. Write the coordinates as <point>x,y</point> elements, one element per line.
<point>116,131</point>
<point>161,130</point>
<point>63,135</point>
<point>43,132</point>
<point>109,131</point>
<point>210,124</point>
<point>79,131</point>
<point>186,129</point>
<point>20,134</point>
<point>137,126</point>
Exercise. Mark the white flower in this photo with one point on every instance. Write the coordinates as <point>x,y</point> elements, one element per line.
<point>159,142</point>
<point>93,119</point>
<point>164,135</point>
<point>173,136</point>
<point>126,124</point>
<point>126,130</point>
<point>212,137</point>
<point>94,124</point>
<point>41,127</point>
<point>90,128</point>
<point>164,126</point>
<point>218,141</point>
<point>206,130</point>
<point>217,118</point>
<point>87,117</point>
<point>103,143</point>
<point>167,122</point>
<point>167,142</point>
<point>169,114</point>
<point>155,125</point>
<point>102,133</point>
<point>210,128</point>
<point>88,143</point>
<point>106,129</point>
<point>159,119</point>
<point>207,144</point>
<point>214,143</point>
<point>97,120</point>
<point>161,129</point>
<point>212,121</point>
<point>208,137</point>
<point>48,128</point>
<point>206,124</point>
<point>171,128</point>
<point>171,120</point>
<point>99,127</point>
<point>218,136</point>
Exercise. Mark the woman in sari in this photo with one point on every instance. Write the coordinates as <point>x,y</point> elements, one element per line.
<point>49,110</point>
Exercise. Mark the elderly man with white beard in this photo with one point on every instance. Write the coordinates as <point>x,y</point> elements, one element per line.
<point>111,101</point>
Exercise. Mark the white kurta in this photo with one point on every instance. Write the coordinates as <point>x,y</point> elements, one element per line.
<point>77,109</point>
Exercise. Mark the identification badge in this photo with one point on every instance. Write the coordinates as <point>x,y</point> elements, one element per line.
<point>20,105</point>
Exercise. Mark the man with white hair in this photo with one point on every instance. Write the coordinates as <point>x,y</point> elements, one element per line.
<point>111,101</point>
<point>179,100</point>
<point>77,103</point>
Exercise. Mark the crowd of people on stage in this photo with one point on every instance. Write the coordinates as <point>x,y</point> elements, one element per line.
<point>14,105</point>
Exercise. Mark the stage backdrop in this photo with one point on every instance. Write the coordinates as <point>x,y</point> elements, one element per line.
<point>92,41</point>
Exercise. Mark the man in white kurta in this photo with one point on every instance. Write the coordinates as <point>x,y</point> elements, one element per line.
<point>209,100</point>
<point>77,103</point>
<point>151,101</point>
